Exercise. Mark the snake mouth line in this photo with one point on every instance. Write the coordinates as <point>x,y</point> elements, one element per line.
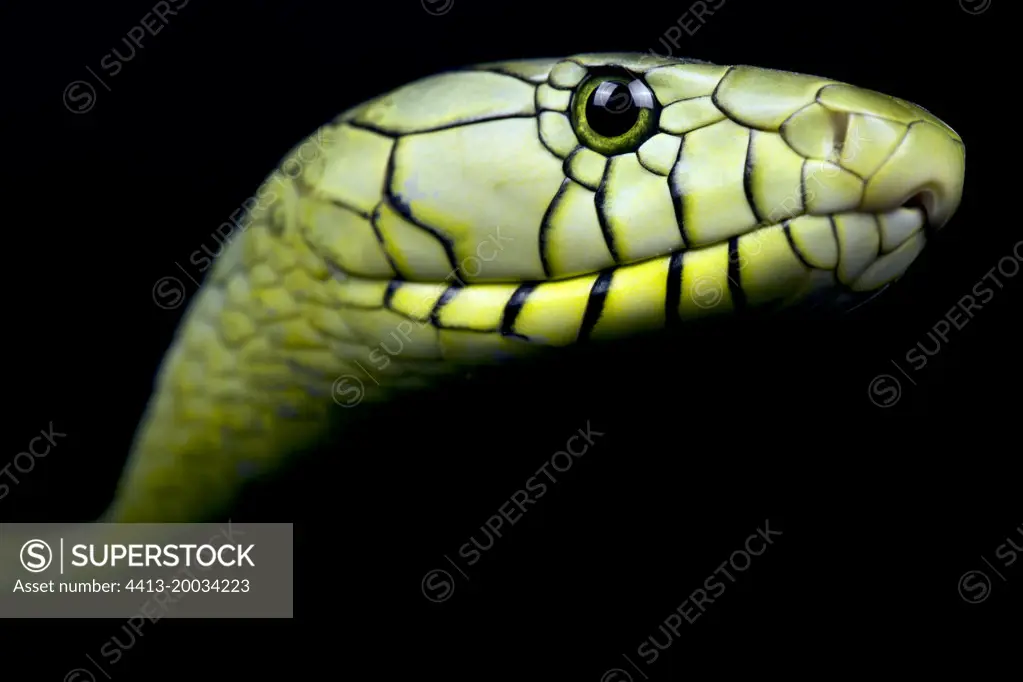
<point>852,234</point>
<point>809,257</point>
<point>921,201</point>
<point>852,252</point>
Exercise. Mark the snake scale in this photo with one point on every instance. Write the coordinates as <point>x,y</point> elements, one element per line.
<point>481,213</point>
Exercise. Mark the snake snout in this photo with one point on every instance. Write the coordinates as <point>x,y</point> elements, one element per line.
<point>921,167</point>
<point>926,170</point>
<point>910,157</point>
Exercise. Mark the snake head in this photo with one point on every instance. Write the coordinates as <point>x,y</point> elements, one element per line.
<point>477,214</point>
<point>643,188</point>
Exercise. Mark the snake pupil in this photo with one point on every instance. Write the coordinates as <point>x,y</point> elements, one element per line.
<point>614,107</point>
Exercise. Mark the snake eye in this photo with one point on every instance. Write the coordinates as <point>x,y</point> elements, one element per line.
<point>614,114</point>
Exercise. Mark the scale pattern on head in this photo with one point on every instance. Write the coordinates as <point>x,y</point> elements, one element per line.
<point>432,170</point>
<point>491,210</point>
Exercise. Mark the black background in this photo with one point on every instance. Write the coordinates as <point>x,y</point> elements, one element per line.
<point>708,434</point>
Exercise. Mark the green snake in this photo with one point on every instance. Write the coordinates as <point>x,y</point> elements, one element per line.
<point>482,213</point>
